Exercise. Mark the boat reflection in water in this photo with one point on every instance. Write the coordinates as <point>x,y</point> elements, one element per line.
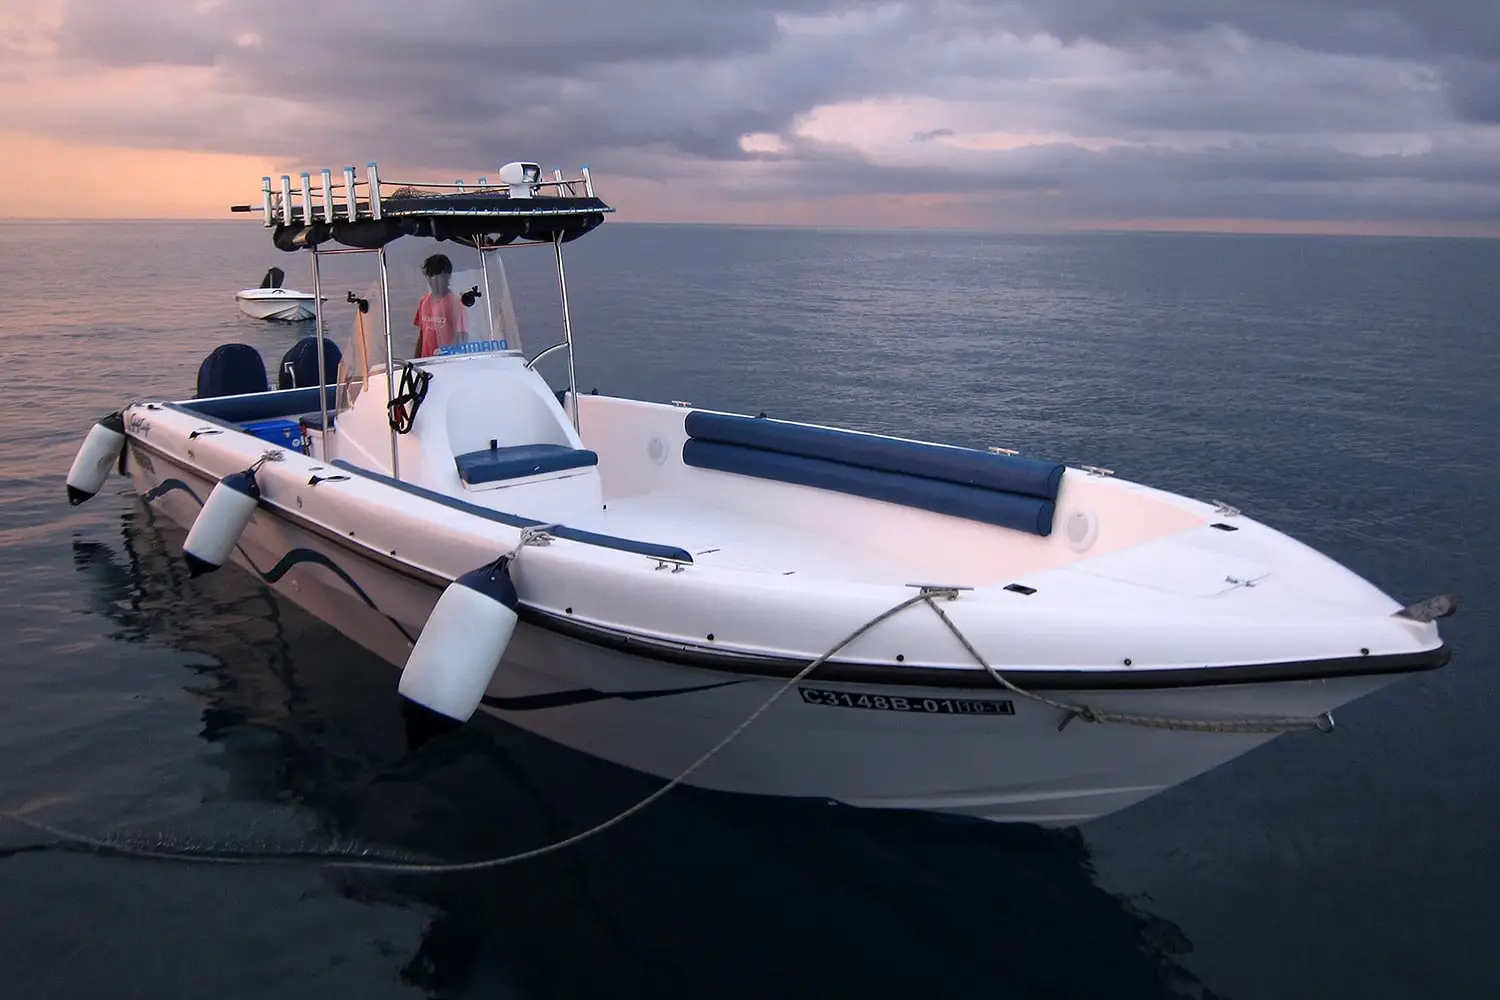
<point>704,893</point>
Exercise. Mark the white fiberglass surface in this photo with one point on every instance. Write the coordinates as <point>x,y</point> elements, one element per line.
<point>728,539</point>
<point>275,293</point>
<point>776,528</point>
<point>780,528</point>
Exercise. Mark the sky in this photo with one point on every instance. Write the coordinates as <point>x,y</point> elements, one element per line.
<point>1359,116</point>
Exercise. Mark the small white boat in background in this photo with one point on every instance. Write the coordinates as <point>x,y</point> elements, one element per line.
<point>271,301</point>
<point>967,631</point>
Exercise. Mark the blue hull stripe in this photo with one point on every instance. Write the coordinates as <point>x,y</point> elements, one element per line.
<point>283,566</point>
<point>582,696</point>
<point>523,703</point>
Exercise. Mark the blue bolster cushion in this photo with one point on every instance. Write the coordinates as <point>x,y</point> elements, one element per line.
<point>496,464</point>
<point>1008,510</point>
<point>1029,476</point>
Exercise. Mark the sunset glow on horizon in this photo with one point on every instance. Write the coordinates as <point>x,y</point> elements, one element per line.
<point>1020,117</point>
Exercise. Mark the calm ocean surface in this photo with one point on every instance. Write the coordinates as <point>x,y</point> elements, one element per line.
<point>1343,390</point>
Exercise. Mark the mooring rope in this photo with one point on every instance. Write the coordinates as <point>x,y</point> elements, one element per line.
<point>1322,723</point>
<point>536,535</point>
<point>396,867</point>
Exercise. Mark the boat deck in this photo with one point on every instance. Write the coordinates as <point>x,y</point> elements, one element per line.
<point>726,539</point>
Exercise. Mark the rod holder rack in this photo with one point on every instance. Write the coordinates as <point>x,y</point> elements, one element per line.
<point>314,199</point>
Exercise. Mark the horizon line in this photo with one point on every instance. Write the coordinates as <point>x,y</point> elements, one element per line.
<point>1185,227</point>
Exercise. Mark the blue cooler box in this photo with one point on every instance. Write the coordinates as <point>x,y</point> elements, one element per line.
<point>278,431</point>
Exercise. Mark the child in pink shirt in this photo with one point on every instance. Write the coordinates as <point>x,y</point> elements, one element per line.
<point>441,318</point>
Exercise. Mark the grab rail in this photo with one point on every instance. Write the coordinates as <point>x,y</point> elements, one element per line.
<point>555,347</point>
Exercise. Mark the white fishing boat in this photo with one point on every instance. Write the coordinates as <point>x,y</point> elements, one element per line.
<point>744,603</point>
<point>272,301</point>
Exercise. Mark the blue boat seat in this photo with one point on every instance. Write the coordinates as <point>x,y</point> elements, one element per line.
<point>314,421</point>
<point>1012,492</point>
<point>495,465</point>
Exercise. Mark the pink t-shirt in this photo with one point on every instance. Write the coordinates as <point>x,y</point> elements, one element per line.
<point>441,321</point>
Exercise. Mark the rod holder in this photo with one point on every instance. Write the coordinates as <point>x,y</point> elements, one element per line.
<point>307,202</point>
<point>327,176</point>
<point>373,173</point>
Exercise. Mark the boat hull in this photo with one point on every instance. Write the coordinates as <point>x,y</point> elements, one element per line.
<point>288,307</point>
<point>976,751</point>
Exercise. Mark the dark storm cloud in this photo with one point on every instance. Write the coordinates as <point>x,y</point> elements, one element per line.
<point>1460,38</point>
<point>1219,107</point>
<point>569,76</point>
<point>555,38</point>
<point>1474,88</point>
<point>138,34</point>
<point>1405,28</point>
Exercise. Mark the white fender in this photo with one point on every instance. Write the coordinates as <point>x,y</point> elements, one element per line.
<point>99,451</point>
<point>220,523</point>
<point>455,657</point>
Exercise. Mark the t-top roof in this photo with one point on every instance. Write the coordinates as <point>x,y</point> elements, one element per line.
<point>522,208</point>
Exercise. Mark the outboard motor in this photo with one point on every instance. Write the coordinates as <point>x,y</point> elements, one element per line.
<point>232,369</point>
<point>273,279</point>
<point>299,366</point>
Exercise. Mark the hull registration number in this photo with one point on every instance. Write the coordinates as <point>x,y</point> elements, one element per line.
<point>891,703</point>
